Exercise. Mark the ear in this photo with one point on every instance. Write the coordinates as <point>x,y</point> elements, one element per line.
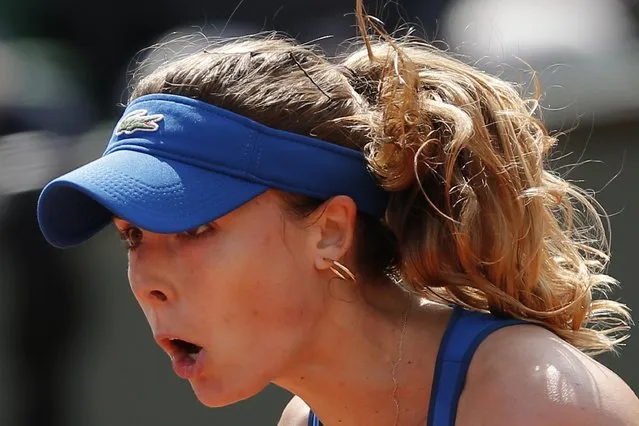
<point>334,230</point>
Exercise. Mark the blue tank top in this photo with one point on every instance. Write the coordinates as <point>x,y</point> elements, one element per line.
<point>463,335</point>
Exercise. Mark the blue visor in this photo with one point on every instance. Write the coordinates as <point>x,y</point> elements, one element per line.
<point>174,163</point>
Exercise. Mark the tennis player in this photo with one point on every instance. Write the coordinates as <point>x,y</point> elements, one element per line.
<point>378,235</point>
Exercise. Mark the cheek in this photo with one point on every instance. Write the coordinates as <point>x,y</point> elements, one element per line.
<point>273,279</point>
<point>260,284</point>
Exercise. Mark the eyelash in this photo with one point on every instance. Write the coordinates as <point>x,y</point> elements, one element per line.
<point>126,237</point>
<point>132,242</point>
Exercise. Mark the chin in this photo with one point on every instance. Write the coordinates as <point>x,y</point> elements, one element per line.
<point>216,395</point>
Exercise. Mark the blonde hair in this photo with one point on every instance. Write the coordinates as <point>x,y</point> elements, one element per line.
<point>475,217</point>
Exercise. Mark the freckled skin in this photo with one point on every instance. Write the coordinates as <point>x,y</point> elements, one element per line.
<point>239,291</point>
<point>255,293</point>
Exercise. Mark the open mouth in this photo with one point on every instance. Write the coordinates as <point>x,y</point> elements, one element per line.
<point>187,357</point>
<point>181,349</point>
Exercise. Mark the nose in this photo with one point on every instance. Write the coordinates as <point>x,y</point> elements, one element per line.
<point>147,292</point>
<point>148,286</point>
<point>158,295</point>
<point>150,266</point>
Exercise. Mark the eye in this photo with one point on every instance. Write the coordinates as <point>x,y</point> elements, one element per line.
<point>132,236</point>
<point>198,232</point>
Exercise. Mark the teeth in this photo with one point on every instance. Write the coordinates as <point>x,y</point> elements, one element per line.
<point>193,356</point>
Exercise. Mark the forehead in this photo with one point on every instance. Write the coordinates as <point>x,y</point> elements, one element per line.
<point>263,209</point>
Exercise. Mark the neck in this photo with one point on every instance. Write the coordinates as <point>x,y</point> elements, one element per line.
<point>351,370</point>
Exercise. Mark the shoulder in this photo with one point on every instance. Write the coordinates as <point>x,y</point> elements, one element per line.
<point>525,375</point>
<point>295,413</point>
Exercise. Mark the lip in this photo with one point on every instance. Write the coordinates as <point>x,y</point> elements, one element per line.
<point>164,341</point>
<point>184,366</point>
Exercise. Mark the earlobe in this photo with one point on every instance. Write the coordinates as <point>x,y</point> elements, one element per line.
<point>322,263</point>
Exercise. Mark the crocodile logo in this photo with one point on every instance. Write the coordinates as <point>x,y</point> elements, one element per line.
<point>138,120</point>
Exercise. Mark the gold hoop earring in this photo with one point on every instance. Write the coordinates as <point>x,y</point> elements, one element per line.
<point>342,271</point>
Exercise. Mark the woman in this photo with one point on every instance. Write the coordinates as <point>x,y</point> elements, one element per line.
<point>379,236</point>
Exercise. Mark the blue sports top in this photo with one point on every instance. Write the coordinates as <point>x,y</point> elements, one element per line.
<point>464,333</point>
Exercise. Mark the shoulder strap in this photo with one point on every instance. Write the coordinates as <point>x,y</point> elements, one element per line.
<point>313,420</point>
<point>466,330</point>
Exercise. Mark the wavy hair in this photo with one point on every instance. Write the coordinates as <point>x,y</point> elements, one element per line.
<point>475,216</point>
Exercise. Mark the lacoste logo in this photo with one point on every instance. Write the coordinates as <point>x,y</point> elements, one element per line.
<point>138,121</point>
